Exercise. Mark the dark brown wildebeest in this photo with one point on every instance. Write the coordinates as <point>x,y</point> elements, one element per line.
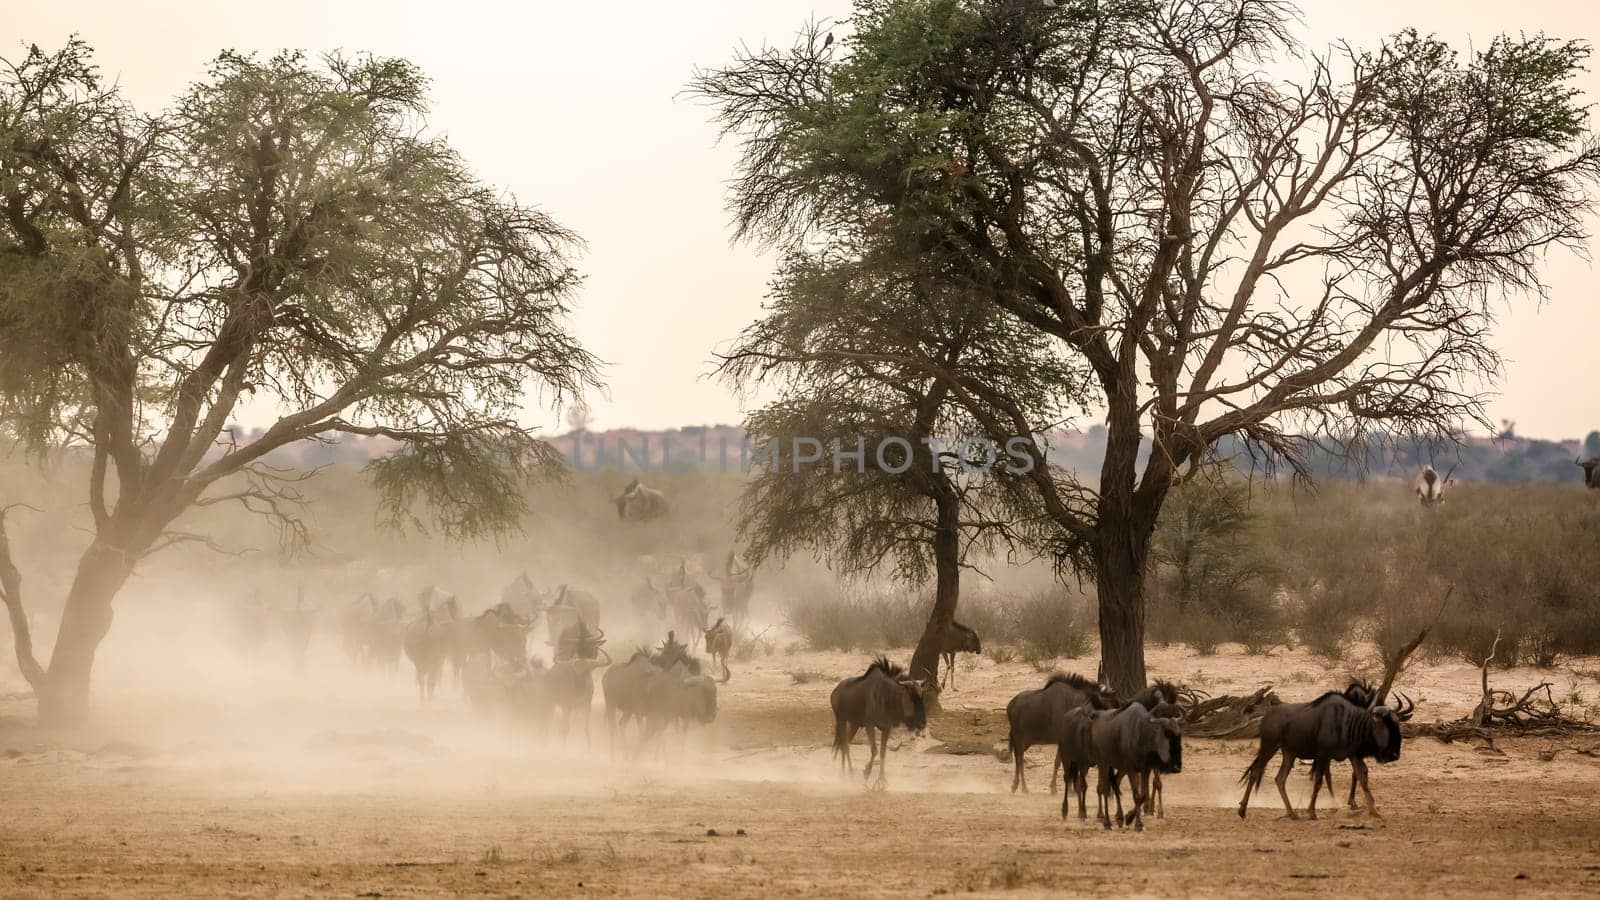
<point>956,638</point>
<point>1075,755</point>
<point>1161,698</point>
<point>1591,472</point>
<point>1037,716</point>
<point>738,584</point>
<point>1132,742</point>
<point>719,643</point>
<point>571,689</point>
<point>1328,729</point>
<point>1364,695</point>
<point>879,700</point>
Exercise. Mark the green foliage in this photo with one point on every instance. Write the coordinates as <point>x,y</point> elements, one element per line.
<point>286,231</point>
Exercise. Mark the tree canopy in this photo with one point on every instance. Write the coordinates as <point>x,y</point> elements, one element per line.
<point>288,236</point>
<point>1228,254</point>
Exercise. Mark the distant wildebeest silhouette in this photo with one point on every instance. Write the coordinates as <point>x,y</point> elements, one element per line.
<point>497,631</point>
<point>1591,472</point>
<point>648,600</point>
<point>431,639</point>
<point>738,585</point>
<point>956,638</point>
<point>687,600</point>
<point>1133,742</point>
<point>1430,485</point>
<point>298,622</point>
<point>1036,717</point>
<point>1331,728</point>
<point>879,700</point>
<point>566,606</point>
<point>719,643</point>
<point>640,503</point>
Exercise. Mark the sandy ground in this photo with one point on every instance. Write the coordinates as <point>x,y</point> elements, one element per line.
<point>337,783</point>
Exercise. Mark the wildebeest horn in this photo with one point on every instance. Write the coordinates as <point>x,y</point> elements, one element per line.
<point>1404,707</point>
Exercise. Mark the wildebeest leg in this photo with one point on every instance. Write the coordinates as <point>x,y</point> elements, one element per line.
<point>1116,791</point>
<point>1066,793</point>
<point>1157,805</point>
<point>1018,778</point>
<point>872,748</point>
<point>883,759</point>
<point>1319,771</point>
<point>1351,803</point>
<point>1282,780</point>
<point>949,679</point>
<point>1358,772</point>
<point>848,764</point>
<point>1139,787</point>
<point>1081,781</point>
<point>1102,793</point>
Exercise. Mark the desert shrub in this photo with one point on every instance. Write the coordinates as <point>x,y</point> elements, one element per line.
<point>1049,625</point>
<point>858,619</point>
<point>1210,578</point>
<point>1529,572</point>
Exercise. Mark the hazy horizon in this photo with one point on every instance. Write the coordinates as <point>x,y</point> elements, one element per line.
<point>577,109</point>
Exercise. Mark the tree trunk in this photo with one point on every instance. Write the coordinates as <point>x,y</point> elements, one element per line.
<point>64,699</point>
<point>947,590</point>
<point>1121,547</point>
<point>1120,584</point>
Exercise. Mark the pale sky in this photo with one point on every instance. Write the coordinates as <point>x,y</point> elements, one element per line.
<point>572,106</point>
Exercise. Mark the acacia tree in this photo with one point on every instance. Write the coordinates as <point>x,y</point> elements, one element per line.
<point>287,233</point>
<point>916,495</point>
<point>1230,255</point>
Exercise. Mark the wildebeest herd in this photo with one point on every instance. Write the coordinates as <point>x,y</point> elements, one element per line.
<point>487,657</point>
<point>664,687</point>
<point>1139,739</point>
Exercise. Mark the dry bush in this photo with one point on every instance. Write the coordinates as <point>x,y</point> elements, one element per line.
<point>1212,579</point>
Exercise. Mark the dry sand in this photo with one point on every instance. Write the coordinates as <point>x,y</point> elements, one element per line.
<point>337,783</point>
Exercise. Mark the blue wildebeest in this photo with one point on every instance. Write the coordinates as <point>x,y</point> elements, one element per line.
<point>738,585</point>
<point>1131,741</point>
<point>1331,728</point>
<point>1036,717</point>
<point>431,639</point>
<point>956,638</point>
<point>639,503</point>
<point>879,700</point>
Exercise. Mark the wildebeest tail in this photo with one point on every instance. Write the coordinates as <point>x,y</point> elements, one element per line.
<point>840,742</point>
<point>1255,771</point>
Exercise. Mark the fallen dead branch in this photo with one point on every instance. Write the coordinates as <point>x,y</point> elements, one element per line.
<point>1228,715</point>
